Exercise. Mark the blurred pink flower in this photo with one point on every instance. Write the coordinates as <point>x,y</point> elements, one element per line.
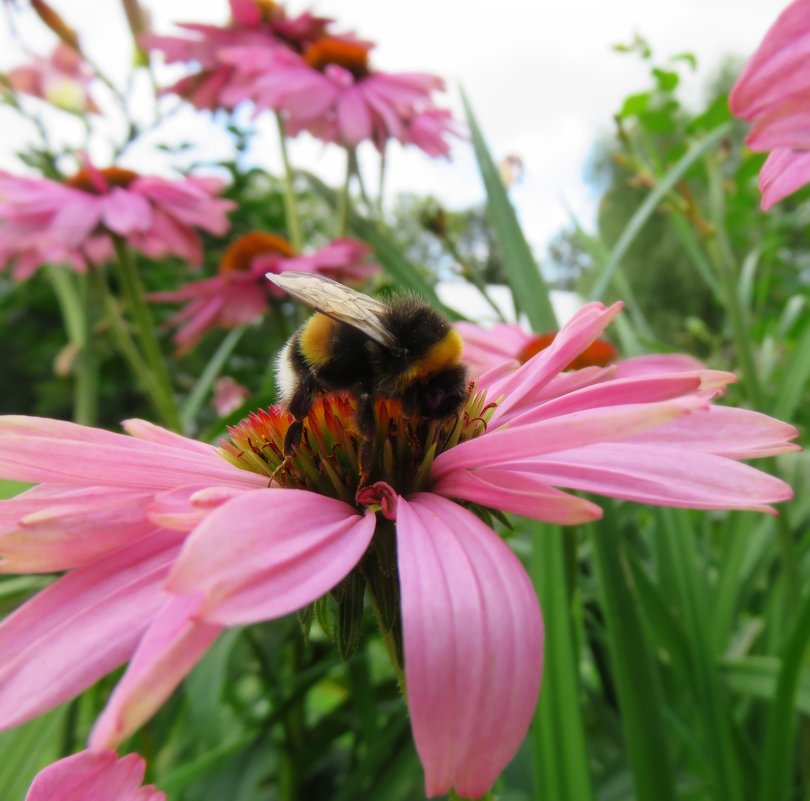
<point>166,543</point>
<point>239,293</point>
<point>63,80</point>
<point>485,348</point>
<point>229,395</point>
<point>44,221</point>
<point>331,91</point>
<point>93,776</point>
<point>260,24</point>
<point>772,93</point>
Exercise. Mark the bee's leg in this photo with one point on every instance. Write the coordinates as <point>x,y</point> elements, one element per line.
<point>365,422</point>
<point>299,406</point>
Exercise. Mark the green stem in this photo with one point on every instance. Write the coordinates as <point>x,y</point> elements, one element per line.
<point>293,219</point>
<point>127,348</point>
<point>471,273</point>
<point>722,257</point>
<point>343,198</point>
<point>136,301</point>
<point>381,183</point>
<point>558,732</point>
<point>74,305</point>
<point>209,375</point>
<point>390,643</point>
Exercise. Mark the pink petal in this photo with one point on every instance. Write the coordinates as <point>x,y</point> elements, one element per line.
<point>183,508</point>
<point>91,456</point>
<point>149,432</point>
<point>574,337</point>
<point>473,641</point>
<point>353,117</point>
<point>126,212</point>
<point>81,627</point>
<point>520,494</point>
<point>93,776</point>
<point>657,474</point>
<point>725,431</point>
<point>561,433</point>
<point>171,647</point>
<point>645,389</point>
<point>779,65</point>
<point>46,531</point>
<point>784,172</point>
<point>286,549</point>
<point>657,364</point>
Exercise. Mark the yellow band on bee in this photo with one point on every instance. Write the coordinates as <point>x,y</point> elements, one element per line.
<point>445,353</point>
<point>316,339</point>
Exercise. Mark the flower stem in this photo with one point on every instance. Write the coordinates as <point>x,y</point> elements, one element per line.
<point>290,203</point>
<point>390,642</point>
<point>127,348</point>
<point>209,375</point>
<point>381,183</point>
<point>720,252</point>
<point>73,302</point>
<point>136,301</point>
<point>343,197</point>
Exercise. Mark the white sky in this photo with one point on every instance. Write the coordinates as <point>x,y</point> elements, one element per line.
<point>542,77</point>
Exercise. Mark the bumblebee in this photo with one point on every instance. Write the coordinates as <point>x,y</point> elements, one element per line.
<point>401,349</point>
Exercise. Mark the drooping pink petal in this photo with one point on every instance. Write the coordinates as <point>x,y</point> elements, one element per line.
<point>81,627</point>
<point>785,171</point>
<point>183,508</point>
<point>44,531</point>
<point>779,65</point>
<point>521,494</point>
<point>93,776</point>
<point>353,116</point>
<point>662,475</point>
<point>125,212</point>
<point>172,645</point>
<point>285,549</point>
<point>473,641</point>
<point>561,433</point>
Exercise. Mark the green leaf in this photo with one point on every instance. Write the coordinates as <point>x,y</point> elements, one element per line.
<point>26,750</point>
<point>651,203</point>
<point>637,683</point>
<point>528,287</point>
<point>794,378</point>
<point>758,676</point>
<point>634,105</point>
<point>780,731</point>
<point>667,80</point>
<point>558,732</point>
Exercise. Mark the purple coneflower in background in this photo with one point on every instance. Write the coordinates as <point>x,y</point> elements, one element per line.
<point>239,293</point>
<point>73,222</point>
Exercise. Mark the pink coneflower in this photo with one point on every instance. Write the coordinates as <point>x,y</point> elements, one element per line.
<point>239,293</point>
<point>485,348</point>
<point>772,94</point>
<point>63,80</point>
<point>94,776</point>
<point>331,91</point>
<point>229,395</point>
<point>201,542</point>
<point>44,221</point>
<point>260,24</point>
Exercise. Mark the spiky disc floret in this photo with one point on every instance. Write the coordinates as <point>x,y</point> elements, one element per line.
<point>328,458</point>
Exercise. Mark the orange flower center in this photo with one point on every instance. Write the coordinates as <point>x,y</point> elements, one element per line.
<point>266,7</point>
<point>241,252</point>
<point>598,354</point>
<point>85,180</point>
<point>352,56</point>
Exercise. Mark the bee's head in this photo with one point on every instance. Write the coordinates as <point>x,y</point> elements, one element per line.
<point>438,395</point>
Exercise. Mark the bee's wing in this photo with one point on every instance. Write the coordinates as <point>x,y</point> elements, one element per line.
<point>338,301</point>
